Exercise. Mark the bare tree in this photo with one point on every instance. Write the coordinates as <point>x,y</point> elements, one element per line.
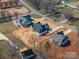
<point>35,3</point>
<point>46,5</point>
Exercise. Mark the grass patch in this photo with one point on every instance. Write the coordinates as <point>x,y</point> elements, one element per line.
<point>7,51</point>
<point>7,29</point>
<point>54,18</point>
<point>75,3</point>
<point>68,0</point>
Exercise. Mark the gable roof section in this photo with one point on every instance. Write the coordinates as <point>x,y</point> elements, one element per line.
<point>40,28</point>
<point>25,20</point>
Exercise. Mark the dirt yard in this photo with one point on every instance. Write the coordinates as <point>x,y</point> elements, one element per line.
<point>55,52</point>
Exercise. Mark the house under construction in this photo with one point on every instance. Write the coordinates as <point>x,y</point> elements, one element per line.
<point>50,44</point>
